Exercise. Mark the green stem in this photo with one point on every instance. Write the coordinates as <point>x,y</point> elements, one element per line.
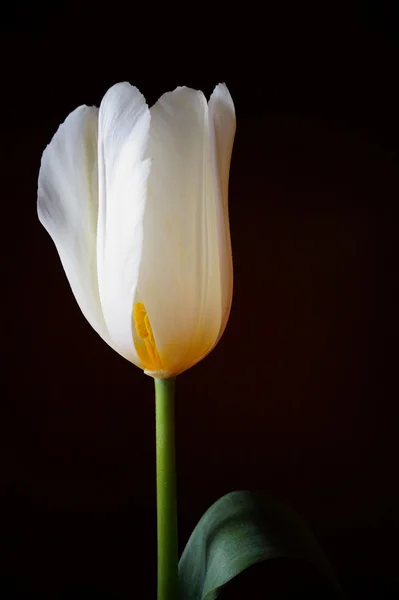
<point>166,489</point>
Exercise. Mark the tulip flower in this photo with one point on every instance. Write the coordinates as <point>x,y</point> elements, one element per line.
<point>135,200</point>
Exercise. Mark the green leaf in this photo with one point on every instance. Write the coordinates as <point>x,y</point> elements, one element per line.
<point>240,530</point>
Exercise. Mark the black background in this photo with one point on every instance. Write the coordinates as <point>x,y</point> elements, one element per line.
<point>295,399</point>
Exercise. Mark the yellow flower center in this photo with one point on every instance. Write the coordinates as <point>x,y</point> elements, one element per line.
<point>145,346</point>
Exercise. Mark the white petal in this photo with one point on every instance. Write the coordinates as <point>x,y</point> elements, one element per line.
<point>124,121</point>
<point>67,207</point>
<point>179,280</point>
<point>222,125</point>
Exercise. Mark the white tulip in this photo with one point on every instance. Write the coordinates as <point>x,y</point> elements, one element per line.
<point>136,202</point>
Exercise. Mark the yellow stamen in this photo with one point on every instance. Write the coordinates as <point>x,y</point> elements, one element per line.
<point>148,354</point>
<point>140,316</point>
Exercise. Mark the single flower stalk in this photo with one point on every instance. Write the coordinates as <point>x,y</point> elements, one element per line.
<point>136,202</point>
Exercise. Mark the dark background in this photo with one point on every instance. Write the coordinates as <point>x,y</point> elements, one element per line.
<point>295,399</point>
